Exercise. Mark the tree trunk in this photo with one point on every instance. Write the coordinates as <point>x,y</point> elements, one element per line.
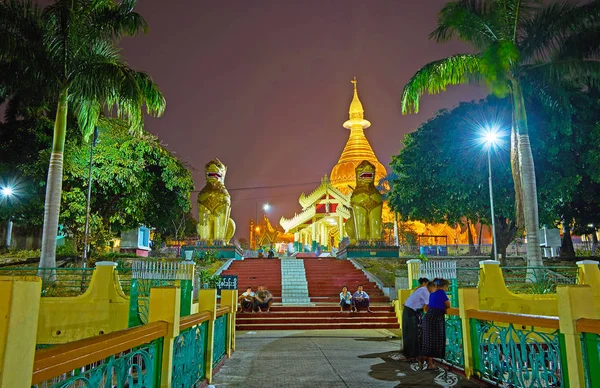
<point>54,185</point>
<point>530,203</point>
<point>470,238</point>
<point>480,238</point>
<point>516,174</point>
<point>594,241</point>
<point>566,244</point>
<point>506,232</point>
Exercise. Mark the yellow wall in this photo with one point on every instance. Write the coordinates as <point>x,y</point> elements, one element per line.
<point>102,309</point>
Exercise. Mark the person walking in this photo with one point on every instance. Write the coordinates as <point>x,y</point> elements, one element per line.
<point>434,325</point>
<point>412,318</point>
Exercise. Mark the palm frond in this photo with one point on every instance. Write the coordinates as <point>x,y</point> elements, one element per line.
<point>567,73</point>
<point>120,19</point>
<point>468,20</point>
<point>436,76</point>
<point>545,32</point>
<point>584,44</point>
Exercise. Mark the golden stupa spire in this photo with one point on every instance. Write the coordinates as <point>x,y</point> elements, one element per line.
<point>356,150</point>
<point>356,109</point>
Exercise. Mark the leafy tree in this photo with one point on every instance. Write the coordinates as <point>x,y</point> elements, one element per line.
<point>521,45</point>
<point>67,53</point>
<point>135,181</point>
<point>442,172</point>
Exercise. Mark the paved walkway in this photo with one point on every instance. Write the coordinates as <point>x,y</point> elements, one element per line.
<point>325,358</point>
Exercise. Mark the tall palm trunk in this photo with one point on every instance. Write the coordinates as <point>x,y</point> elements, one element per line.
<point>528,184</point>
<point>54,184</point>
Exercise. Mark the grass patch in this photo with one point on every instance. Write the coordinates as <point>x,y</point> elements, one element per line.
<point>386,269</point>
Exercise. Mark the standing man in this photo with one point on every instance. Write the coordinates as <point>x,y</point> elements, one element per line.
<point>360,299</point>
<point>263,300</point>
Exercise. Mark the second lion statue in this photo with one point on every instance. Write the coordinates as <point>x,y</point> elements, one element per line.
<point>214,206</point>
<point>367,206</point>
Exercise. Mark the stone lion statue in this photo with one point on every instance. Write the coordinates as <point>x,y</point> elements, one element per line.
<point>367,204</point>
<point>214,206</point>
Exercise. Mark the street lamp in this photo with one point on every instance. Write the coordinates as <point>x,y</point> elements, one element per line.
<point>7,192</point>
<point>265,208</point>
<point>491,138</point>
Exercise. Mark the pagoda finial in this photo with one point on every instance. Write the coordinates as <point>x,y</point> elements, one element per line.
<point>356,109</point>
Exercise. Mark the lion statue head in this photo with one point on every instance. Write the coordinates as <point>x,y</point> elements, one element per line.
<point>365,174</point>
<point>215,171</point>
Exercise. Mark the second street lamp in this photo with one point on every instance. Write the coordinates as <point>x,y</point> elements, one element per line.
<point>491,139</point>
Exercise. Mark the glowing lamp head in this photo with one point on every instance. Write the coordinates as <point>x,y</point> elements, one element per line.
<point>7,191</point>
<point>266,207</point>
<point>491,136</point>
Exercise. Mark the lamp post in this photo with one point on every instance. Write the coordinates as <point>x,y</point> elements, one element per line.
<point>265,208</point>
<point>89,196</point>
<point>7,192</point>
<point>491,139</point>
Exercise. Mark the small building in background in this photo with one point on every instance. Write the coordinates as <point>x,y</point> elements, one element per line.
<point>136,241</point>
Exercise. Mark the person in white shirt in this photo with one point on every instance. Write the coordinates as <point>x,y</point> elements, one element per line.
<point>411,320</point>
<point>247,301</point>
<point>345,299</point>
<point>360,299</point>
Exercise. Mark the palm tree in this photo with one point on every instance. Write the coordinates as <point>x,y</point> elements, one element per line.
<point>67,53</point>
<point>523,46</point>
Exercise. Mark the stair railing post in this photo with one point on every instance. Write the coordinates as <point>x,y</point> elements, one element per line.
<point>207,301</point>
<point>165,305</point>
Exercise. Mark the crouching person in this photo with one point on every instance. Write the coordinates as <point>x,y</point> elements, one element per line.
<point>263,300</point>
<point>247,301</point>
<point>360,300</point>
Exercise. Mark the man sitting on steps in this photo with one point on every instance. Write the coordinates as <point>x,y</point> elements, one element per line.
<point>263,300</point>
<point>247,301</point>
<point>360,299</point>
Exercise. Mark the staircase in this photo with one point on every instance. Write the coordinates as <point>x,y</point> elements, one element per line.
<point>256,272</point>
<point>325,278</point>
<point>294,289</point>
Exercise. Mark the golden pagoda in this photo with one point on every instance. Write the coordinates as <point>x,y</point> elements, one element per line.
<point>356,150</point>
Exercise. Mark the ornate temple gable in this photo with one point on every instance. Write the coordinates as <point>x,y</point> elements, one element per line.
<point>298,219</point>
<point>325,189</point>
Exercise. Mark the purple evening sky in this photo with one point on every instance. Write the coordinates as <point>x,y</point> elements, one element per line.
<point>265,86</point>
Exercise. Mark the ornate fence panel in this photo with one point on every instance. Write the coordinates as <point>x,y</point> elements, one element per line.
<point>506,354</point>
<point>220,344</point>
<point>455,354</point>
<point>69,366</point>
<point>189,356</point>
<point>146,274</point>
<point>590,349</point>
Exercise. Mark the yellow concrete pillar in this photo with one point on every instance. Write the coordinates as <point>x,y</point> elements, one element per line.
<point>207,301</point>
<point>402,297</point>
<point>573,304</point>
<point>468,299</point>
<point>341,231</point>
<point>165,304</point>
<point>229,298</point>
<point>589,274</point>
<point>19,310</point>
<point>414,268</point>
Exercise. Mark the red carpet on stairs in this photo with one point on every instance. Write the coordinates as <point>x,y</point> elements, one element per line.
<point>325,279</point>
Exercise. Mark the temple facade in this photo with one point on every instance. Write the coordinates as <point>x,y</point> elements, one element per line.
<point>321,221</point>
<point>326,209</point>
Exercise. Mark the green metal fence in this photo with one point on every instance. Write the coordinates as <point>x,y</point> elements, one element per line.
<point>516,357</point>
<point>220,344</point>
<point>538,280</point>
<point>590,346</point>
<point>56,281</point>
<point>189,351</point>
<point>455,354</point>
<point>139,367</point>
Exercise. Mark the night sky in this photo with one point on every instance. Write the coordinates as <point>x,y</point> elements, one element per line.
<point>265,86</point>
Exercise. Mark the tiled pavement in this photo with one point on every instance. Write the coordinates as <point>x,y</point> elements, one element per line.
<point>325,358</point>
